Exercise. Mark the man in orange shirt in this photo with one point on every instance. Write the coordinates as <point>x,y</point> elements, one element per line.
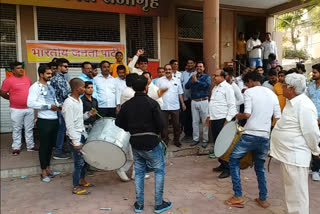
<point>242,50</point>
<point>277,89</point>
<point>119,61</point>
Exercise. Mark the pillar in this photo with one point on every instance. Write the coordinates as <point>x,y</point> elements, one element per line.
<point>211,35</point>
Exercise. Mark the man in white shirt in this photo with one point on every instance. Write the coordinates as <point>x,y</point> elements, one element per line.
<point>222,108</point>
<point>268,47</point>
<point>254,49</point>
<point>186,115</point>
<point>239,80</point>
<point>153,91</point>
<point>294,139</point>
<point>120,81</point>
<point>229,78</point>
<point>175,66</point>
<point>141,60</point>
<point>171,104</point>
<point>128,92</point>
<point>108,104</point>
<point>260,104</point>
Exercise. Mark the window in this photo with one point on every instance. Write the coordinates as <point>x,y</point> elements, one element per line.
<point>141,33</point>
<point>8,47</point>
<point>190,24</point>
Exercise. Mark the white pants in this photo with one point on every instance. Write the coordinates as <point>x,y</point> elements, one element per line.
<point>22,118</point>
<point>200,110</point>
<point>296,192</point>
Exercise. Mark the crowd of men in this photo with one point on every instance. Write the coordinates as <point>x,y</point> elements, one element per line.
<point>183,99</point>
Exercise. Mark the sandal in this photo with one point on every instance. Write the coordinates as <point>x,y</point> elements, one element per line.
<point>235,202</point>
<point>263,204</point>
<point>87,185</point>
<point>77,191</point>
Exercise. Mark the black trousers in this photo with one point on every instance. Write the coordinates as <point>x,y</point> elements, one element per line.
<point>187,119</point>
<point>315,164</point>
<point>107,112</point>
<point>216,127</point>
<point>48,132</point>
<point>175,123</point>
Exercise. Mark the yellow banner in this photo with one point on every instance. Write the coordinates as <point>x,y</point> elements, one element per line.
<point>75,52</point>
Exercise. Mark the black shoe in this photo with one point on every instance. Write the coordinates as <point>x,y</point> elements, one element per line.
<point>194,143</point>
<point>163,207</point>
<point>178,144</point>
<point>138,208</point>
<point>218,169</point>
<point>204,145</point>
<point>224,174</point>
<point>62,156</point>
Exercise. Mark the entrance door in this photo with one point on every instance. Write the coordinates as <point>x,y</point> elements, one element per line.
<point>250,24</point>
<point>187,50</point>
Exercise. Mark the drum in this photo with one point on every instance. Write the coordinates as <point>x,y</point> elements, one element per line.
<point>225,142</point>
<point>107,145</point>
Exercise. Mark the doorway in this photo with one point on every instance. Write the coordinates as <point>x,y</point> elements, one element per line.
<point>187,50</point>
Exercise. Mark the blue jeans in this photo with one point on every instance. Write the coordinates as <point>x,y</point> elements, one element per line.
<point>80,166</point>
<point>156,158</point>
<point>61,134</point>
<point>259,146</point>
<point>255,62</point>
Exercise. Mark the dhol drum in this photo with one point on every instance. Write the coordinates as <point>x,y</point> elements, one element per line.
<point>225,142</point>
<point>107,145</point>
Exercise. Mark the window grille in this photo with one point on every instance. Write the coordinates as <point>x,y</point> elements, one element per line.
<point>77,25</point>
<point>190,24</point>
<point>141,33</point>
<point>8,47</point>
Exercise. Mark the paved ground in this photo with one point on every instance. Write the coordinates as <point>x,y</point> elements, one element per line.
<point>190,184</point>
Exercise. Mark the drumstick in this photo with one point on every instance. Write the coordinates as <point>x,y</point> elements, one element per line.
<point>97,112</point>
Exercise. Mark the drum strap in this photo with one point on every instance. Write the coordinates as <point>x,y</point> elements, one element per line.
<point>144,133</point>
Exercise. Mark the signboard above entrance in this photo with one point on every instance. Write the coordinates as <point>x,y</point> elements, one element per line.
<point>137,7</point>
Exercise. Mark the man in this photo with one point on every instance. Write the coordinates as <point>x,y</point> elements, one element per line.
<point>160,72</point>
<point>200,85</point>
<point>254,49</point>
<point>144,125</point>
<point>278,68</point>
<point>62,90</point>
<point>119,61</point>
<point>141,61</point>
<point>120,81</point>
<point>241,50</point>
<point>175,66</point>
<point>313,93</point>
<point>128,92</point>
<point>260,71</point>
<point>42,97</point>
<point>73,113</point>
<point>294,138</point>
<point>239,79</point>
<point>260,104</point>
<point>229,78</point>
<point>272,62</point>
<point>87,75</point>
<point>277,89</point>
<point>109,106</point>
<point>186,115</point>
<point>153,91</point>
<point>89,103</point>
<point>16,90</point>
<point>94,70</point>
<point>53,66</point>
<point>222,108</point>
<point>273,79</point>
<point>171,105</point>
<point>268,47</point>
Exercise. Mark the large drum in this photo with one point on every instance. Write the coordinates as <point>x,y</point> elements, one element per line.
<point>107,145</point>
<point>225,142</point>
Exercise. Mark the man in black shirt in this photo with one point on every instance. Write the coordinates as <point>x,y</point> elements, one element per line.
<point>141,116</point>
<point>89,103</point>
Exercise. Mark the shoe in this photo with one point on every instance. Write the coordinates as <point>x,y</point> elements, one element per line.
<point>53,174</point>
<point>33,149</point>
<point>62,156</point>
<point>212,155</point>
<point>46,179</point>
<point>204,145</point>
<point>224,174</point>
<point>264,204</point>
<point>194,143</point>
<point>123,176</point>
<point>163,207</point>
<point>315,176</point>
<point>178,144</point>
<point>138,208</point>
<point>15,152</point>
<point>218,169</point>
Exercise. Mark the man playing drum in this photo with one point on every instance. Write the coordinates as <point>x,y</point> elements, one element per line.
<point>141,116</point>
<point>260,104</point>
